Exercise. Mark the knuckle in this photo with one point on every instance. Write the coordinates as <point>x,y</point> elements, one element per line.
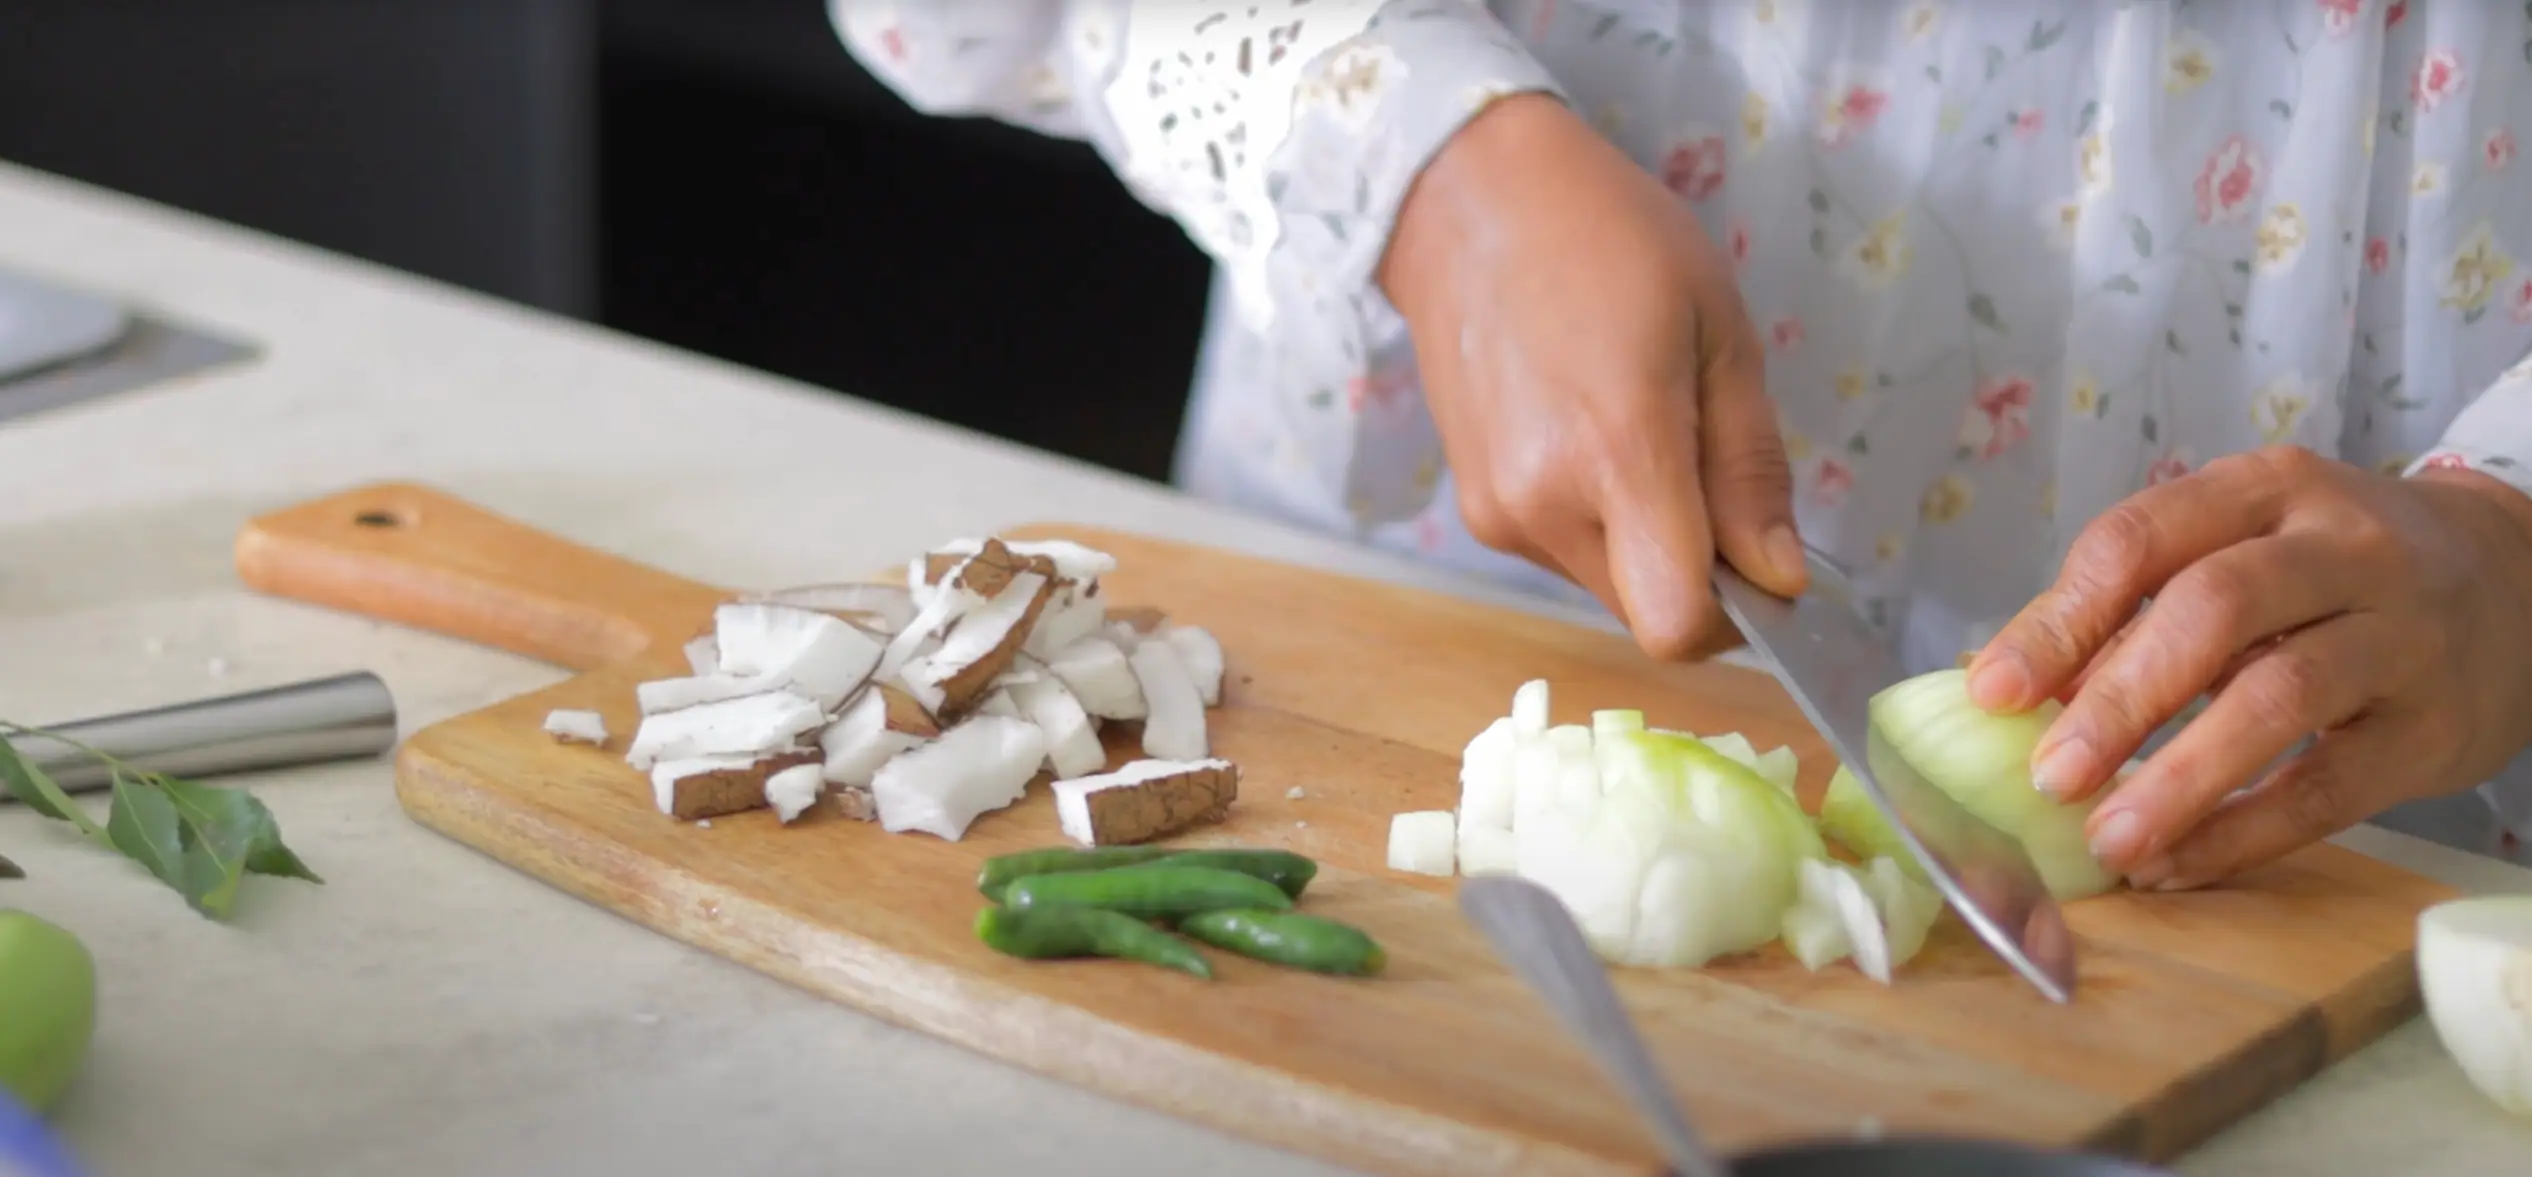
<point>2314,796</point>
<point>2118,709</point>
<point>2213,599</point>
<point>2291,692</point>
<point>2112,548</point>
<point>2290,461</point>
<point>1757,466</point>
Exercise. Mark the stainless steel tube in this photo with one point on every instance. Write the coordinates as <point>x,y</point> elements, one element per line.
<point>339,718</point>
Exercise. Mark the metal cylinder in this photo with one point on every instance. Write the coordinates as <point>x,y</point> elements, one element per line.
<point>339,718</point>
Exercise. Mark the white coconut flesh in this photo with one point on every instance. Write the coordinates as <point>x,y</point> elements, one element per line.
<point>1095,670</point>
<point>815,654</point>
<point>754,725</point>
<point>576,726</point>
<point>793,790</point>
<point>1173,723</point>
<point>887,608</point>
<point>941,786</point>
<point>861,740</point>
<point>925,704</point>
<point>1072,742</point>
<point>1201,656</point>
<point>1177,794</point>
<point>2475,972</point>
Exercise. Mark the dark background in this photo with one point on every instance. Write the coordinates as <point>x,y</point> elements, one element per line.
<point>720,175</point>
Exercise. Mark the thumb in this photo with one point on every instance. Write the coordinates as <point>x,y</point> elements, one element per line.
<point>1748,482</point>
<point>1660,546</point>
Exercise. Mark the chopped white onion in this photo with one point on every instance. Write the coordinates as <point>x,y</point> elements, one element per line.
<point>2475,971</point>
<point>1421,843</point>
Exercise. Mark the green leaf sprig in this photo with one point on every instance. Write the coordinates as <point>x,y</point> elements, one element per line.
<point>199,839</point>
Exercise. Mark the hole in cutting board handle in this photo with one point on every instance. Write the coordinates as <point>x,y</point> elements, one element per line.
<point>380,517</point>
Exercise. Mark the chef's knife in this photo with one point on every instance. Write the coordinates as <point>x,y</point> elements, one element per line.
<point>1833,663</point>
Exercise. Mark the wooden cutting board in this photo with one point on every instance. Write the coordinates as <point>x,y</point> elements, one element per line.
<point>2194,1009</point>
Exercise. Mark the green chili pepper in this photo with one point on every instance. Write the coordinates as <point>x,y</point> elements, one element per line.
<point>1000,870</point>
<point>1150,891</point>
<point>1289,938</point>
<point>1050,933</point>
<point>1288,871</point>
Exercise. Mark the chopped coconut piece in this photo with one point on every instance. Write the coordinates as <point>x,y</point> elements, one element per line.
<point>576,727</point>
<point>676,694</point>
<point>1023,670</point>
<point>1073,612</point>
<point>694,787</point>
<point>793,790</point>
<point>984,570</point>
<point>999,702</point>
<point>757,725</point>
<point>1141,620</point>
<point>703,655</point>
<point>916,680</point>
<point>1071,561</point>
<point>1094,669</point>
<point>982,644</point>
<point>881,722</point>
<point>815,654</point>
<point>854,802</point>
<point>885,607</point>
<point>1174,729</point>
<point>1293,793</point>
<point>1202,656</point>
<point>940,788</point>
<point>1072,738</point>
<point>940,609</point>
<point>1144,800</point>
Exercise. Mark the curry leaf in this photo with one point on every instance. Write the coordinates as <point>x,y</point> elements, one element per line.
<point>199,839</point>
<point>36,789</point>
<point>142,825</point>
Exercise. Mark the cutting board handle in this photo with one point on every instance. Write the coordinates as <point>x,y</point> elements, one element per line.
<point>417,556</point>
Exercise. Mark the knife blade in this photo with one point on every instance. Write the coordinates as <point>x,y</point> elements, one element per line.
<point>1832,662</point>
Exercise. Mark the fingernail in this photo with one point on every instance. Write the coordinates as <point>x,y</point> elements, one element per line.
<point>2120,836</point>
<point>1784,550</point>
<point>2151,873</point>
<point>2001,681</point>
<point>2058,768</point>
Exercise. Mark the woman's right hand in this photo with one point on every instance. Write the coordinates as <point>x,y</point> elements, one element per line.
<point>1598,387</point>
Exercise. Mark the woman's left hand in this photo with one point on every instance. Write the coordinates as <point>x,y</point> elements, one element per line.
<point>2389,617</point>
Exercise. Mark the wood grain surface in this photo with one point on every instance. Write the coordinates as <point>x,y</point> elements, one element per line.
<point>2193,1009</point>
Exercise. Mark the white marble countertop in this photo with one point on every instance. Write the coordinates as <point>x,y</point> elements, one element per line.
<point>429,1012</point>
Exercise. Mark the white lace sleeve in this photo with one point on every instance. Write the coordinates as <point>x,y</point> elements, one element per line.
<point>1281,134</point>
<point>2493,434</point>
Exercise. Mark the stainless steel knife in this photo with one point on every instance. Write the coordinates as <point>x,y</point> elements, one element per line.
<point>1833,663</point>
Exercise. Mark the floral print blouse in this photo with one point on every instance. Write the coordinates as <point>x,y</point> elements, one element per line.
<point>2012,260</point>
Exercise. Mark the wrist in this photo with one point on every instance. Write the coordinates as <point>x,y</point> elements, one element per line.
<point>2503,500</point>
<point>1445,209</point>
